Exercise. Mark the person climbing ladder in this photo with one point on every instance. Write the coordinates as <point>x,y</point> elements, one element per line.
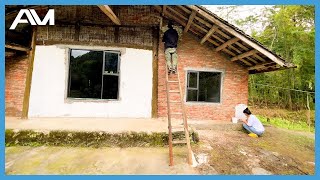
<point>170,39</point>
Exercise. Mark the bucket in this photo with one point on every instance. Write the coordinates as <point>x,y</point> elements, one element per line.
<point>234,120</point>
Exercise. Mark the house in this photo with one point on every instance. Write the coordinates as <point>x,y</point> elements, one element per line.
<point>108,61</point>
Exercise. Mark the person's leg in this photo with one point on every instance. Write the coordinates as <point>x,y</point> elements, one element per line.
<point>246,127</point>
<point>174,60</point>
<point>168,58</point>
<point>251,129</point>
<point>255,131</point>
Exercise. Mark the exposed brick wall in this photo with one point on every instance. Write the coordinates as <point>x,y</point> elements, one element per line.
<point>194,55</point>
<point>16,73</point>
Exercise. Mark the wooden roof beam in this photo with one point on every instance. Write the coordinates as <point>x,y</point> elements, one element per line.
<point>17,47</point>
<point>8,54</point>
<point>191,17</point>
<point>108,11</point>
<point>246,54</point>
<point>238,35</point>
<point>224,45</point>
<point>259,66</point>
<point>246,62</point>
<point>164,10</point>
<point>258,57</point>
<point>211,31</point>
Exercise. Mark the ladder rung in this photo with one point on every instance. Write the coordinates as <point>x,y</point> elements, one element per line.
<point>177,127</point>
<point>173,81</point>
<point>174,91</point>
<point>179,142</point>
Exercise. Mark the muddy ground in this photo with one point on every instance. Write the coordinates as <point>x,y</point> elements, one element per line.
<point>278,151</point>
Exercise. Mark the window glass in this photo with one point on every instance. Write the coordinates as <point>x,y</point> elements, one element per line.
<point>209,86</point>
<point>111,63</point>
<point>86,77</point>
<point>192,95</point>
<point>110,87</point>
<point>193,76</point>
<point>85,74</point>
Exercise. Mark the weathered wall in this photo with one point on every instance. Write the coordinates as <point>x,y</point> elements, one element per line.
<point>194,56</point>
<point>49,86</point>
<point>16,73</point>
<point>89,25</point>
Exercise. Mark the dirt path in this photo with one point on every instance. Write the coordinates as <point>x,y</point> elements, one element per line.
<point>277,152</point>
<point>75,160</point>
<point>219,152</point>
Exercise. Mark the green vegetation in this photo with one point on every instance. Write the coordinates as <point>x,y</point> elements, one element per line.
<point>289,31</point>
<point>287,124</point>
<point>89,139</point>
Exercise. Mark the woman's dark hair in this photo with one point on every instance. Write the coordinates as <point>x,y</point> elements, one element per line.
<point>170,24</point>
<point>247,111</point>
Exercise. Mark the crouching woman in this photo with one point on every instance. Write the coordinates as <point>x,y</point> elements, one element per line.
<point>252,124</point>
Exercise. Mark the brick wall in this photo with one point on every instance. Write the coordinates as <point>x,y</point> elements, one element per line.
<point>16,73</point>
<point>194,55</point>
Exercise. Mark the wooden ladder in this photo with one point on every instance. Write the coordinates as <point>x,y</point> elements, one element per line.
<point>176,80</point>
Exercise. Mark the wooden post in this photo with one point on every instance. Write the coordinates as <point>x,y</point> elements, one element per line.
<point>308,113</point>
<point>25,108</point>
<point>155,60</point>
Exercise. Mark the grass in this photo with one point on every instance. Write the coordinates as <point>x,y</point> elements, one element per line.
<point>286,124</point>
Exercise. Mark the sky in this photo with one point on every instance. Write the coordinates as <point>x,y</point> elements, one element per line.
<point>241,12</point>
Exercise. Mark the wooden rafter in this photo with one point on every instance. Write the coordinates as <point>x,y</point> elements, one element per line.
<point>191,17</point>
<point>238,35</point>
<point>224,45</point>
<point>246,62</point>
<point>108,11</point>
<point>252,60</point>
<point>210,32</point>
<point>259,66</point>
<point>204,22</point>
<point>164,10</point>
<point>8,54</point>
<point>177,13</point>
<point>237,50</point>
<point>213,42</point>
<point>258,57</point>
<point>246,54</point>
<point>17,47</point>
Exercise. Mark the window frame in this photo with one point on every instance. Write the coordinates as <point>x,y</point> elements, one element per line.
<point>102,75</point>
<point>188,71</point>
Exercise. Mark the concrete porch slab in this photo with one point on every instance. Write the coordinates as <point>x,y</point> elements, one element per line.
<point>111,125</point>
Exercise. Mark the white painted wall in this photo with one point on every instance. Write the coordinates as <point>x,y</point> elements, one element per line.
<point>49,86</point>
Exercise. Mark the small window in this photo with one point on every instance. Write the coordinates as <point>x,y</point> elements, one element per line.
<point>94,74</point>
<point>203,86</point>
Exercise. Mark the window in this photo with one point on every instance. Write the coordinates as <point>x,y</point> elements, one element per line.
<point>94,74</point>
<point>203,86</point>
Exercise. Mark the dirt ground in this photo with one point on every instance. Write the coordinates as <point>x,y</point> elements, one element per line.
<point>47,160</point>
<point>278,151</point>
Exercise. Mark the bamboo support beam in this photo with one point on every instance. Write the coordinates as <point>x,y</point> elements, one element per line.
<point>238,35</point>
<point>164,10</point>
<point>259,66</point>
<point>224,45</point>
<point>108,11</point>
<point>192,16</point>
<point>210,32</point>
<point>26,98</point>
<point>246,54</point>
<point>17,47</point>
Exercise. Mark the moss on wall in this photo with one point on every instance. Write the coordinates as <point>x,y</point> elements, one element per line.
<point>90,139</point>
